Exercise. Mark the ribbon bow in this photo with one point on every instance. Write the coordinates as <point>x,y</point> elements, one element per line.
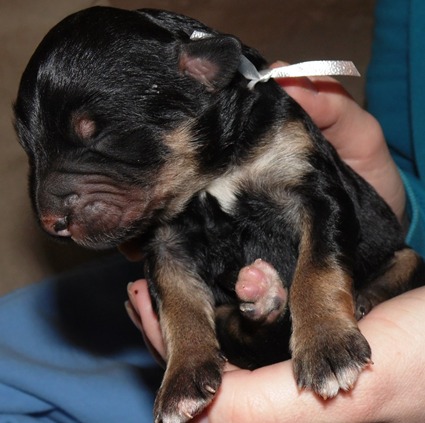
<point>310,68</point>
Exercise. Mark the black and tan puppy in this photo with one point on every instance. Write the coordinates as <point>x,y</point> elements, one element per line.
<point>135,131</point>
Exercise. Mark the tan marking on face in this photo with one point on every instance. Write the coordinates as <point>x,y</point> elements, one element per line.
<point>180,178</point>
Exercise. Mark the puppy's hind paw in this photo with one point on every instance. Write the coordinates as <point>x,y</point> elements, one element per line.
<point>261,292</point>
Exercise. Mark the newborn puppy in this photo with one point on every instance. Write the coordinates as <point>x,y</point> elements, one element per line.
<point>134,131</point>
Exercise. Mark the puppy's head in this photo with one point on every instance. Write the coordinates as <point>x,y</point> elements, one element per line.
<point>114,110</point>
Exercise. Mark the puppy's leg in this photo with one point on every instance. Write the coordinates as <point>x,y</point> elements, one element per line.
<point>405,271</point>
<point>327,347</point>
<point>255,332</point>
<point>194,361</point>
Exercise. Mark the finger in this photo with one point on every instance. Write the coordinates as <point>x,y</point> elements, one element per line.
<point>293,85</point>
<point>353,132</point>
<point>268,393</point>
<point>147,320</point>
<point>135,318</point>
<point>252,396</point>
<point>323,98</point>
<point>356,135</point>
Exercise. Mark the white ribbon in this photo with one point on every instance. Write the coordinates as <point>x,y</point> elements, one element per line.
<point>311,68</point>
<point>198,35</point>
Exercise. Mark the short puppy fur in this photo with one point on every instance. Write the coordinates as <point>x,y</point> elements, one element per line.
<point>136,132</point>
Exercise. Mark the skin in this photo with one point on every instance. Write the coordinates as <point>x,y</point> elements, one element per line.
<point>390,390</point>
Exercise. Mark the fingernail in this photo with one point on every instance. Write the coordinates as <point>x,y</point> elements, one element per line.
<point>130,291</point>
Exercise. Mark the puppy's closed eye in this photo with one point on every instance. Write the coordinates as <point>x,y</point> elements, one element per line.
<point>84,126</point>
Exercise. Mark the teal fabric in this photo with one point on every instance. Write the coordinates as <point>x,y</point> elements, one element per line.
<point>396,96</point>
<point>67,359</point>
<point>417,82</point>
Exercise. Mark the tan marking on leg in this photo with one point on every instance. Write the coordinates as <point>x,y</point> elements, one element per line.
<point>194,360</point>
<point>397,279</point>
<point>327,348</point>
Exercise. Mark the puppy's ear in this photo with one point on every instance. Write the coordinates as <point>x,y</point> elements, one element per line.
<point>211,61</point>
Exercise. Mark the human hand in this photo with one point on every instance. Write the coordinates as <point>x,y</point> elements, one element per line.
<point>355,133</point>
<point>389,391</point>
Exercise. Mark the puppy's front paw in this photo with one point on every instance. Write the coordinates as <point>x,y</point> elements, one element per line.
<point>329,360</point>
<point>187,389</point>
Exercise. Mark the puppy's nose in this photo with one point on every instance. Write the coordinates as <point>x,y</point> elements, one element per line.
<point>56,225</point>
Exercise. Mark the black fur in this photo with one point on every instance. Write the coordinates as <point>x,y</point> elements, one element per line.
<point>128,137</point>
